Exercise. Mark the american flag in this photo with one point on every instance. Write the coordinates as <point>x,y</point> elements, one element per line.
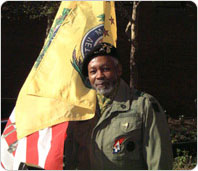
<point>43,148</point>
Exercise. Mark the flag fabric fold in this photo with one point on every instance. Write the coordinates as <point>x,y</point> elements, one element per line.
<point>55,90</point>
<point>43,148</point>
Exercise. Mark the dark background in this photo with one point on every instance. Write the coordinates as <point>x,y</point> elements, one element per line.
<point>166,54</point>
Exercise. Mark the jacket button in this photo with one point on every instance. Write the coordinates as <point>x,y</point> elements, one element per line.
<point>123,106</point>
<point>130,146</point>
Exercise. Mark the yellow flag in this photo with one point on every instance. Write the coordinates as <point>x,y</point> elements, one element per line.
<point>55,90</point>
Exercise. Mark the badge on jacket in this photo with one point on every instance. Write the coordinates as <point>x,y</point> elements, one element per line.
<point>117,145</point>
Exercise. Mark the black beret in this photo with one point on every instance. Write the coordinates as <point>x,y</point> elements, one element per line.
<point>101,49</point>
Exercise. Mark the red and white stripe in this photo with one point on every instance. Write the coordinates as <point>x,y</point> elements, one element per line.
<point>43,148</point>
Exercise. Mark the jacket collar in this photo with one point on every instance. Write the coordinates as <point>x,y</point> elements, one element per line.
<point>122,99</point>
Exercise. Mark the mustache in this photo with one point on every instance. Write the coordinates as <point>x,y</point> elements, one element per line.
<point>101,81</point>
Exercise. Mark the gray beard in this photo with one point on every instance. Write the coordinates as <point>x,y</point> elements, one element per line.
<point>105,92</point>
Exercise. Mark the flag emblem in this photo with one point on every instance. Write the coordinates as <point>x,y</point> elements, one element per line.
<point>90,40</point>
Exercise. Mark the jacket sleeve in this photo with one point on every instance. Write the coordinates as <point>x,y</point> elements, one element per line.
<point>157,149</point>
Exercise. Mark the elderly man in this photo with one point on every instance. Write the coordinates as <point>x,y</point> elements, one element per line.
<point>129,129</point>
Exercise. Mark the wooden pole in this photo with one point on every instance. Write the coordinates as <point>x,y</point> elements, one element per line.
<point>132,23</point>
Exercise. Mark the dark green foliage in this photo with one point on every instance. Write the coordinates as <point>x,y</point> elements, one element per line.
<point>183,130</point>
<point>15,10</point>
<point>184,139</point>
<point>184,161</point>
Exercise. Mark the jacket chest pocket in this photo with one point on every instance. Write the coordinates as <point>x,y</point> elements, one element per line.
<point>126,125</point>
<point>127,140</point>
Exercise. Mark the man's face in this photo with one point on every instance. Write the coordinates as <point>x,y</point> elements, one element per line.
<point>103,74</point>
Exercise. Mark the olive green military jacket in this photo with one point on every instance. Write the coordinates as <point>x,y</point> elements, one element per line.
<point>131,134</point>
